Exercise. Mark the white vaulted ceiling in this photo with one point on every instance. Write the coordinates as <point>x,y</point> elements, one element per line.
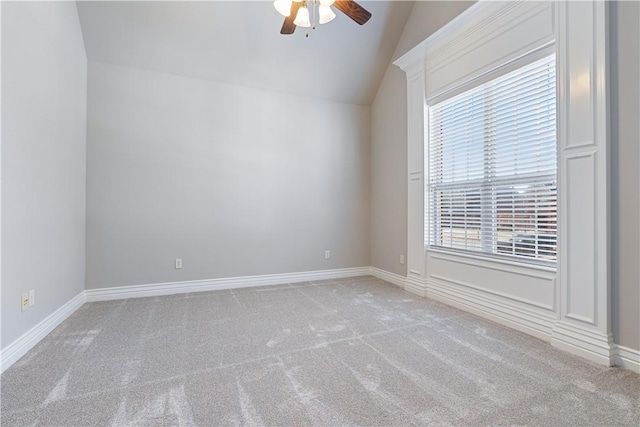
<point>239,42</point>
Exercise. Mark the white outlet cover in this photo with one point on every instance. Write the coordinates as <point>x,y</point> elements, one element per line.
<point>32,297</point>
<point>178,262</point>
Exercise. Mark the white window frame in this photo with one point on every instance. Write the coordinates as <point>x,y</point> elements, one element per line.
<point>570,308</point>
<point>487,203</point>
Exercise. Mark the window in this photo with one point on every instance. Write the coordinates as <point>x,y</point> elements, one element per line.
<point>492,167</point>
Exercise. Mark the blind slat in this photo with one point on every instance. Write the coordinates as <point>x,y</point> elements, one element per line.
<point>492,160</point>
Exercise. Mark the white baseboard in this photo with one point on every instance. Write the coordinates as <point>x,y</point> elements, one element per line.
<point>484,304</point>
<point>415,286</point>
<point>599,349</point>
<point>387,276</point>
<point>158,289</point>
<point>477,302</point>
<point>33,336</point>
<point>591,345</point>
<point>627,358</point>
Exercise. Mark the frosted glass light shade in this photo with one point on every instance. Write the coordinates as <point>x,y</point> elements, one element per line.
<point>302,18</point>
<point>326,2</point>
<point>283,7</point>
<point>325,14</point>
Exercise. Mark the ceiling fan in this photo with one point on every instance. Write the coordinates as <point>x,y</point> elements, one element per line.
<point>296,12</point>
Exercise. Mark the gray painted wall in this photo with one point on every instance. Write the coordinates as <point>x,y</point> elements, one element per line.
<point>625,116</point>
<point>233,180</point>
<point>43,160</point>
<point>389,140</point>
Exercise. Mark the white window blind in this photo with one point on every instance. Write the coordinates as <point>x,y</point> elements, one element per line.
<point>492,167</point>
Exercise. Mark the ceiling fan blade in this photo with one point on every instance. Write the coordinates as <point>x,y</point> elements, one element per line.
<point>288,27</point>
<point>353,10</point>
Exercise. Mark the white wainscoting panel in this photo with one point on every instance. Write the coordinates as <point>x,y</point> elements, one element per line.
<point>488,38</point>
<point>416,180</point>
<point>584,320</point>
<point>537,323</point>
<point>521,297</point>
<point>527,318</point>
<point>580,213</point>
<point>519,283</point>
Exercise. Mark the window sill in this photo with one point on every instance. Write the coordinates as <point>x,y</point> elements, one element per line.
<point>494,260</point>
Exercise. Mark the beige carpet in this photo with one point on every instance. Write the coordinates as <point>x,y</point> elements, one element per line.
<point>341,352</point>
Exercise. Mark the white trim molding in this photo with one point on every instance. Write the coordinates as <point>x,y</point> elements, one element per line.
<point>529,319</point>
<point>570,308</point>
<point>416,109</point>
<point>33,336</point>
<point>584,342</point>
<point>169,288</point>
<point>14,351</point>
<point>537,323</point>
<point>627,358</point>
<point>388,276</point>
<point>584,265</point>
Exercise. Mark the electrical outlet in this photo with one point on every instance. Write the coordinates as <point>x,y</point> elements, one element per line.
<point>25,302</point>
<point>178,263</point>
<point>402,259</point>
<point>32,297</point>
<point>327,254</point>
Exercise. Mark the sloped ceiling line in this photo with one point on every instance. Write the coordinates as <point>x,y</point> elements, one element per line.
<point>239,43</point>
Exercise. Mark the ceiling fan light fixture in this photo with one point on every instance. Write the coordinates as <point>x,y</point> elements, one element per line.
<point>302,18</point>
<point>283,7</point>
<point>321,12</point>
<point>325,14</point>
